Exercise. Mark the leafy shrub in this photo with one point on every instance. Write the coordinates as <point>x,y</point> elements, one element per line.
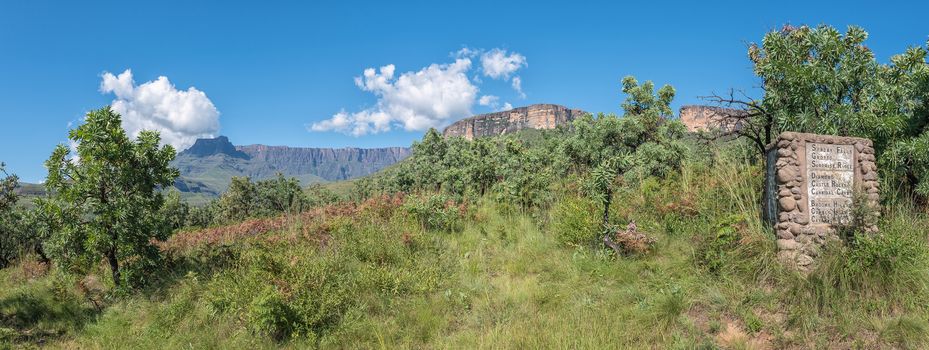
<point>884,254</point>
<point>270,315</point>
<point>714,249</point>
<point>202,216</point>
<point>892,262</point>
<point>909,161</point>
<point>16,232</point>
<point>174,210</point>
<point>434,212</point>
<point>575,220</point>
<point>285,298</point>
<point>889,270</point>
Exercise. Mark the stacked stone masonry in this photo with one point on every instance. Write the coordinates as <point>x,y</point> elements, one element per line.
<point>812,188</point>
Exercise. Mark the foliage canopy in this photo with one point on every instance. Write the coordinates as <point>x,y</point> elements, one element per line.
<point>107,199</point>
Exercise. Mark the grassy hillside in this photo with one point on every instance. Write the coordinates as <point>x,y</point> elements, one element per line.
<point>27,192</point>
<point>211,175</point>
<point>207,167</point>
<point>418,271</point>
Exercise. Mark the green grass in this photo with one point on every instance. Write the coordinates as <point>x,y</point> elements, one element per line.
<point>343,188</point>
<point>379,278</point>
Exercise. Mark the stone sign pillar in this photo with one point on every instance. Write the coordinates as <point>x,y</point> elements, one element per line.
<point>812,183</point>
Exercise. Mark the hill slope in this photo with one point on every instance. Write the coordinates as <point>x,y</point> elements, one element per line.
<point>375,275</point>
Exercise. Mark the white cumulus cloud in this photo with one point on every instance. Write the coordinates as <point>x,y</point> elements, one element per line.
<point>488,100</point>
<point>494,103</point>
<point>518,86</point>
<point>499,64</point>
<point>466,52</point>
<point>181,116</point>
<point>431,97</point>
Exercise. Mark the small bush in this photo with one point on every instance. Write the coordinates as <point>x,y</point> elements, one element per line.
<point>281,296</point>
<point>892,266</point>
<point>670,304</point>
<point>715,248</point>
<point>434,212</point>
<point>575,221</point>
<point>269,315</point>
<point>631,241</point>
<point>886,256</point>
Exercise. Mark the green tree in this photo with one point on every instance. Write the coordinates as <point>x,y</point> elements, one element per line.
<point>456,166</point>
<point>203,216</point>
<point>906,158</point>
<point>601,184</point>
<point>429,155</point>
<point>10,225</point>
<point>280,195</point>
<point>908,161</point>
<point>481,169</point>
<point>653,139</point>
<point>8,183</point>
<point>646,123</point>
<point>108,198</point>
<point>364,188</point>
<point>819,80</point>
<point>175,211</point>
<point>240,200</point>
<point>317,195</point>
<point>644,142</point>
<point>523,174</point>
<point>39,223</point>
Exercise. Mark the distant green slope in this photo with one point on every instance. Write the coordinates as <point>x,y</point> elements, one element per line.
<point>208,166</point>
<point>27,192</point>
<point>211,175</point>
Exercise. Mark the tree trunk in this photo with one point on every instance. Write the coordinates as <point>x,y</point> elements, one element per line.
<point>606,207</point>
<point>606,219</point>
<point>40,251</point>
<point>608,241</point>
<point>114,264</point>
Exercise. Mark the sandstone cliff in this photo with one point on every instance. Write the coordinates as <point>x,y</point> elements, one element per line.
<point>538,116</point>
<point>707,118</point>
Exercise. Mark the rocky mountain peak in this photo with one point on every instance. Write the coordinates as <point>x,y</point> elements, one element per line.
<point>209,147</point>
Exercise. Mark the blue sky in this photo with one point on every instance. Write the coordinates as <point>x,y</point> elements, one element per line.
<point>265,72</point>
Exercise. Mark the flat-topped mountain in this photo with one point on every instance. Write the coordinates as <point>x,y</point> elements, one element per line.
<point>209,147</point>
<point>208,166</point>
<point>538,116</point>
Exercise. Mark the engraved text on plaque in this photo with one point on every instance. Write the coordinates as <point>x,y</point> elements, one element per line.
<point>830,180</point>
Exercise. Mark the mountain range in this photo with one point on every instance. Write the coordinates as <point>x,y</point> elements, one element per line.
<point>208,166</point>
